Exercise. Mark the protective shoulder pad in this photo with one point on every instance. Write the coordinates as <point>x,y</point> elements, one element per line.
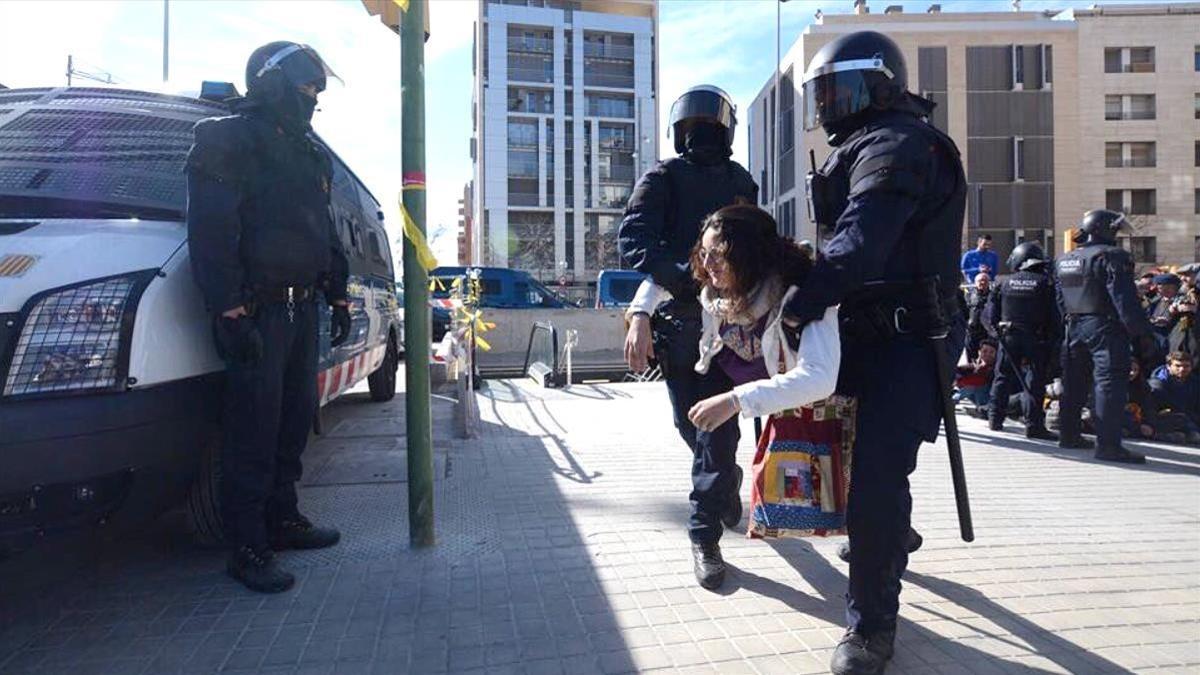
<point>744,182</point>
<point>1118,258</point>
<point>220,148</point>
<point>890,159</point>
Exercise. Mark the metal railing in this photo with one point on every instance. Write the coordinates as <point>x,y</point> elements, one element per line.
<point>534,75</point>
<point>533,45</point>
<point>599,50</point>
<point>604,80</point>
<point>542,365</point>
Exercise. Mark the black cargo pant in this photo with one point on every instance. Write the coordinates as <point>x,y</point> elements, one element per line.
<point>1021,364</point>
<point>714,453</point>
<point>1095,347</point>
<point>269,408</point>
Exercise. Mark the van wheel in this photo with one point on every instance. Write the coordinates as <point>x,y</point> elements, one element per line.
<point>382,382</point>
<point>204,497</point>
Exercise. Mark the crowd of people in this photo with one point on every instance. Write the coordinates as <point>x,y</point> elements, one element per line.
<point>1163,397</point>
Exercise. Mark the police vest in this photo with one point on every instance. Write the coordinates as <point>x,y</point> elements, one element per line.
<point>1023,298</point>
<point>1081,276</point>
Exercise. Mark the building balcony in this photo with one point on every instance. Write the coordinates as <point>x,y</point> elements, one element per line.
<point>531,75</point>
<point>530,45</point>
<point>602,51</point>
<point>591,79</point>
<point>524,199</point>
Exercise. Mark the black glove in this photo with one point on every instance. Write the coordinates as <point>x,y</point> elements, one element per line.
<point>238,340</point>
<point>792,333</point>
<point>339,325</point>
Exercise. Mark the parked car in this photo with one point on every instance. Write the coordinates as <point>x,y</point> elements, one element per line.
<point>616,288</point>
<point>499,287</point>
<point>111,393</point>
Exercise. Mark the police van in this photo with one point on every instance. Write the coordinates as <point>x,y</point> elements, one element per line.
<point>110,387</point>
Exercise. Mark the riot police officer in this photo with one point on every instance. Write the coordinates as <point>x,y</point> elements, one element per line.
<point>659,230</point>
<point>264,250</point>
<point>894,192</point>
<point>1098,299</point>
<point>1022,315</point>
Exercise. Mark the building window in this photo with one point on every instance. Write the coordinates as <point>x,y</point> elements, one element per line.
<point>1018,158</point>
<point>1143,249</point>
<point>1196,59</point>
<point>600,241</point>
<point>1113,200</point>
<point>1129,60</point>
<point>1047,65</point>
<point>531,241</point>
<point>1130,155</point>
<point>1129,107</point>
<point>1018,66</point>
<point>1196,152</point>
<point>1142,203</point>
<point>1197,210</point>
<point>1196,105</point>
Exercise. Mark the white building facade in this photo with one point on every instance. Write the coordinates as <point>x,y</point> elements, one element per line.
<point>565,121</point>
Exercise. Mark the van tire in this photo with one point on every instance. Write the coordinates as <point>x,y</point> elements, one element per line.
<point>204,497</point>
<point>382,382</point>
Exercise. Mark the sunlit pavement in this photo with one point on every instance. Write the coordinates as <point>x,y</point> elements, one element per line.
<point>561,549</point>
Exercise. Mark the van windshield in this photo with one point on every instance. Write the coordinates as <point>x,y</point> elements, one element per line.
<point>623,290</point>
<point>95,153</point>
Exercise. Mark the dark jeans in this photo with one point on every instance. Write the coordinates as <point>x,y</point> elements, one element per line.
<point>714,453</point>
<point>1021,358</point>
<point>269,409</point>
<point>1096,348</point>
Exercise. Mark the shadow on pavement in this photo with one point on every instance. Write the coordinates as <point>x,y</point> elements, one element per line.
<point>919,648</point>
<point>509,585</point>
<point>1166,464</point>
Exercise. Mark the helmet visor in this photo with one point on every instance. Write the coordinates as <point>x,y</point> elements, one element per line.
<point>834,96</point>
<point>703,105</point>
<point>300,65</point>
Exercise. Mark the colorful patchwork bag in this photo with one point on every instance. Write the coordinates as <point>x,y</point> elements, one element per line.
<point>802,471</point>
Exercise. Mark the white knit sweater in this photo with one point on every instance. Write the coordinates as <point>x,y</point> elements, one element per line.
<point>798,378</point>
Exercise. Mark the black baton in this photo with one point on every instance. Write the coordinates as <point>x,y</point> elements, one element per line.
<point>945,380</point>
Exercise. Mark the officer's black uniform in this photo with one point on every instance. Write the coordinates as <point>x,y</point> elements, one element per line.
<point>895,192</point>
<point>1098,299</point>
<point>1023,316</point>
<point>660,228</point>
<point>261,237</point>
<point>976,331</point>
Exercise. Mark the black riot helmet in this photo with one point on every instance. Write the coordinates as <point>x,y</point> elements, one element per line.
<point>850,77</point>
<point>1026,255</point>
<point>702,103</point>
<point>1102,225</point>
<point>277,67</point>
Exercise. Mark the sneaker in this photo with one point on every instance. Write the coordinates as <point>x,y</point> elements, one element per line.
<point>733,513</point>
<point>299,533</point>
<point>1041,434</point>
<point>1077,443</point>
<point>708,565</point>
<point>258,570</point>
<point>1121,455</point>
<point>915,540</point>
<point>858,654</point>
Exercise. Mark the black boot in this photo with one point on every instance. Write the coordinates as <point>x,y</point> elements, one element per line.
<point>857,654</point>
<point>733,512</point>
<point>1077,443</point>
<point>915,540</point>
<point>708,565</point>
<point>299,533</point>
<point>258,570</point>
<point>1041,434</point>
<point>996,423</point>
<point>1120,454</point>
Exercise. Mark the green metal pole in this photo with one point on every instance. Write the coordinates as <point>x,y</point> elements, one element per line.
<point>416,280</point>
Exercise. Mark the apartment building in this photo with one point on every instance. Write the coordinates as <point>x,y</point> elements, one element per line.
<point>565,121</point>
<point>1055,113</point>
<point>466,226</point>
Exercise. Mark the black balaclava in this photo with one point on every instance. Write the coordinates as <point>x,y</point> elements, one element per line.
<point>704,143</point>
<point>291,108</point>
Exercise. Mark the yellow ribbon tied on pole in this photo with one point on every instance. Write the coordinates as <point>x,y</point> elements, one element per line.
<point>416,237</point>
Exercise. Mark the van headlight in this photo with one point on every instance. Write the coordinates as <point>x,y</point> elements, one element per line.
<point>76,338</point>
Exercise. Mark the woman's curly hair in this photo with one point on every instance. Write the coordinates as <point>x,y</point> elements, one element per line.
<point>753,250</point>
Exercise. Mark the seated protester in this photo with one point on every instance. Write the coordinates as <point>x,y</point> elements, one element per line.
<point>976,300</point>
<point>1141,412</point>
<point>747,272</point>
<point>1160,311</point>
<point>1177,394</point>
<point>973,381</point>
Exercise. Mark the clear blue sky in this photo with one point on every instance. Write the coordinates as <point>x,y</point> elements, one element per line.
<point>730,43</point>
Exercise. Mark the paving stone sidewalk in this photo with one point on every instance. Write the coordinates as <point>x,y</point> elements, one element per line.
<point>562,550</point>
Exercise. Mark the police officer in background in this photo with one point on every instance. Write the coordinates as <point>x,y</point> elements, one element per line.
<point>1098,299</point>
<point>660,228</point>
<point>264,250</point>
<point>1022,315</point>
<point>894,191</point>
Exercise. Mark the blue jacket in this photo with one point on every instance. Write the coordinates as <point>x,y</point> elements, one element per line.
<point>1181,397</point>
<point>973,259</point>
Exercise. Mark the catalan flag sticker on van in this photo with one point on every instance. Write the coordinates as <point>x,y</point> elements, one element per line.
<point>16,264</point>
